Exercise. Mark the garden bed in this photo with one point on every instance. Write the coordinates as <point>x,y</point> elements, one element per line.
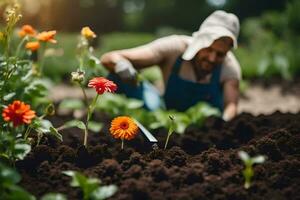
<point>201,164</point>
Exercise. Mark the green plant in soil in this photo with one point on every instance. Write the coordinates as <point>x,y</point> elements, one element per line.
<point>90,187</point>
<point>10,190</point>
<point>23,92</point>
<point>87,61</point>
<point>171,130</point>
<point>248,161</point>
<point>54,196</point>
<point>9,178</point>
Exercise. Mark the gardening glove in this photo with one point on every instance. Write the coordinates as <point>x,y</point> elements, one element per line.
<point>125,70</point>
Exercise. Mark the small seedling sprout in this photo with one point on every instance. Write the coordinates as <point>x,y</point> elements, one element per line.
<point>171,130</point>
<point>248,172</point>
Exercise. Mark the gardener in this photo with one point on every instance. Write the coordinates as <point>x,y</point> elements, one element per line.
<point>197,68</point>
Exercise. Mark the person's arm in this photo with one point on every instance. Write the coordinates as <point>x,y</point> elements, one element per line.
<point>139,57</point>
<point>125,62</point>
<point>231,97</point>
<point>156,52</point>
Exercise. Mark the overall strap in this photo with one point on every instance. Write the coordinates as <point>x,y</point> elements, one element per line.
<point>216,75</point>
<point>177,65</point>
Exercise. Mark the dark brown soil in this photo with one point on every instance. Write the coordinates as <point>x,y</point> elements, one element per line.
<point>202,164</point>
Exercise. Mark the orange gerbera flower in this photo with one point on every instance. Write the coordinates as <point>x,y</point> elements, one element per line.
<point>27,30</point>
<point>47,36</point>
<point>19,113</point>
<point>33,46</point>
<point>87,33</point>
<point>123,127</point>
<point>102,85</point>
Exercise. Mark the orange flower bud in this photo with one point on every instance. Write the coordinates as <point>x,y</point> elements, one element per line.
<point>47,36</point>
<point>33,46</point>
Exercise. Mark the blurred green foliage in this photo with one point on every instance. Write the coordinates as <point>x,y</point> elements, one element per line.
<point>116,104</point>
<point>62,60</point>
<point>269,44</point>
<point>9,178</point>
<point>149,15</point>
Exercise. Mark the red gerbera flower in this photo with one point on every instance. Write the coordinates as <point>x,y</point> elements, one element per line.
<point>102,85</point>
<point>19,113</point>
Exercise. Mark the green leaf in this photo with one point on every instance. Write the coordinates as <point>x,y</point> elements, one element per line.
<point>73,104</point>
<point>75,123</point>
<point>21,150</point>
<point>36,89</point>
<point>54,196</point>
<point>8,175</point>
<point>134,104</point>
<point>56,134</point>
<point>95,126</point>
<point>209,110</point>
<point>263,65</point>
<point>258,159</point>
<point>199,112</point>
<point>244,156</point>
<point>78,179</point>
<point>93,61</point>
<point>18,193</point>
<point>9,96</point>
<point>88,185</point>
<point>42,125</point>
<point>104,192</point>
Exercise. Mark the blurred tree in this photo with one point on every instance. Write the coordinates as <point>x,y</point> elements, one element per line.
<point>293,16</point>
<point>140,15</point>
<point>249,8</point>
<point>71,15</point>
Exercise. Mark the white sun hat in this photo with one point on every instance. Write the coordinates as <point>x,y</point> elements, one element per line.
<point>218,24</point>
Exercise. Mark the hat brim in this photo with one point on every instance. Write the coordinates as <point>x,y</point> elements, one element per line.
<point>204,39</point>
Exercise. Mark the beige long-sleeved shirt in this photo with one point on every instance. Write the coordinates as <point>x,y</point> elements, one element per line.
<point>171,47</point>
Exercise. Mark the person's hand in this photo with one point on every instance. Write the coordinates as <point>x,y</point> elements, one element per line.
<point>125,70</point>
<point>226,117</point>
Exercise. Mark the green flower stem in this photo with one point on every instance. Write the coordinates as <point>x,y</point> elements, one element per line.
<point>28,130</point>
<point>168,137</point>
<point>86,133</point>
<point>89,114</point>
<point>86,102</point>
<point>92,107</point>
<point>21,44</point>
<point>82,59</point>
<point>6,44</point>
<point>171,130</point>
<point>122,145</point>
<point>60,128</point>
<point>248,174</point>
<point>86,123</point>
<point>41,58</point>
<point>80,63</point>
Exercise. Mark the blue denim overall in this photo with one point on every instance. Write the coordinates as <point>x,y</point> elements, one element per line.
<point>180,94</point>
<point>145,92</point>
